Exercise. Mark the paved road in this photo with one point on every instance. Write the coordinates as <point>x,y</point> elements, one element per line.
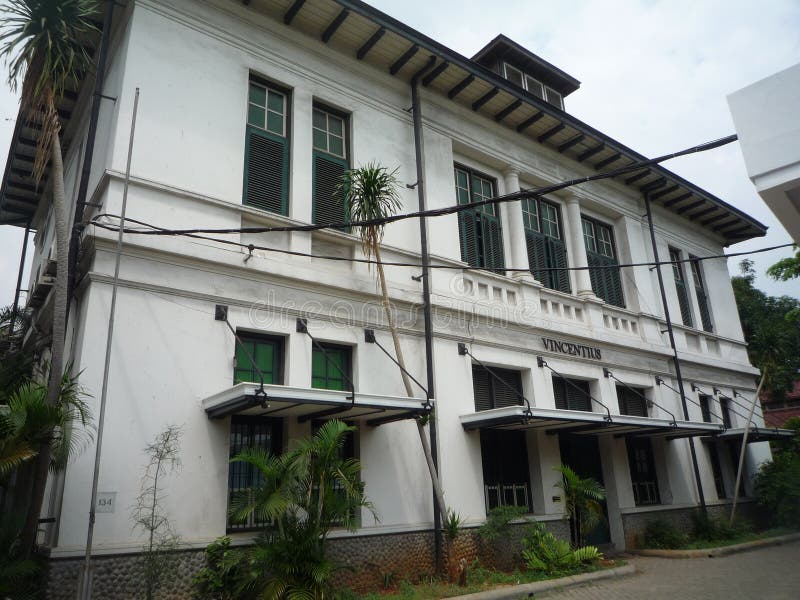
<point>766,574</point>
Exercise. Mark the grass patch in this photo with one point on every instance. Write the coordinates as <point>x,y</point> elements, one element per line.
<point>479,579</point>
<point>700,544</point>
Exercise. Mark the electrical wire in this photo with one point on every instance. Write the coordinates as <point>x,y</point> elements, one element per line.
<point>437,212</point>
<point>369,261</point>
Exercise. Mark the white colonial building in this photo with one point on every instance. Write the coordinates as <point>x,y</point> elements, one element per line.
<point>248,114</point>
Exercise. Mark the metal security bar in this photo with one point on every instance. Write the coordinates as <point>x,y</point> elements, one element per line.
<point>541,362</point>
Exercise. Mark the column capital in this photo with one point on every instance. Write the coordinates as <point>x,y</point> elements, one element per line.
<point>571,197</point>
<point>511,171</point>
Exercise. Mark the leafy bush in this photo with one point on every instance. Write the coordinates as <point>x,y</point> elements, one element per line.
<point>777,487</point>
<point>663,535</point>
<point>709,528</point>
<point>545,552</point>
<point>498,521</point>
<point>223,573</point>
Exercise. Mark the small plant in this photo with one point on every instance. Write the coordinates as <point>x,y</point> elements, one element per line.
<point>452,525</point>
<point>583,497</point>
<point>220,578</point>
<point>498,521</point>
<point>545,552</point>
<point>663,535</point>
<point>158,559</point>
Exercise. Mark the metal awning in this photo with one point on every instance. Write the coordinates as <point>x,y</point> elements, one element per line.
<point>309,403</point>
<point>756,434</point>
<point>555,421</point>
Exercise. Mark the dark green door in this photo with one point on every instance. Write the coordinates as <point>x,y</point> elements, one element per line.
<point>582,454</point>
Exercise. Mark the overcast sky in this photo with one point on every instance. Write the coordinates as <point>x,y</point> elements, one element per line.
<point>654,75</point>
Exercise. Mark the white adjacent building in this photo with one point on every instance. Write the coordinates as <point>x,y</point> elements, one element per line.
<point>248,113</point>
<point>765,116</point>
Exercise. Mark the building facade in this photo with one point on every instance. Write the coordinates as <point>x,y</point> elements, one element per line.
<point>543,350</point>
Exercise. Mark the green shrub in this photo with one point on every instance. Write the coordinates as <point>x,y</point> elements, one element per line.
<point>709,528</point>
<point>545,552</point>
<point>663,535</point>
<point>498,521</point>
<point>223,574</point>
<point>777,487</point>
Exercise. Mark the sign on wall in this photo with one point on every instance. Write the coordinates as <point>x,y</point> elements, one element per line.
<point>106,501</point>
<point>571,349</point>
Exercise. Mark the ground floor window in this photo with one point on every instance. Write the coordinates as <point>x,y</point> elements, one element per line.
<point>495,388</point>
<point>331,367</point>
<point>643,471</point>
<point>572,394</point>
<point>506,476</point>
<point>250,432</point>
<point>716,469</point>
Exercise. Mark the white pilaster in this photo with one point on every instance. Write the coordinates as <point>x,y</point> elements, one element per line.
<point>583,283</point>
<point>518,257</point>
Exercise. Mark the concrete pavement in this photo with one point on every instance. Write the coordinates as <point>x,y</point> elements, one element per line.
<point>766,574</point>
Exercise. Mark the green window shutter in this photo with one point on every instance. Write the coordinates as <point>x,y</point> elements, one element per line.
<point>578,395</point>
<point>492,243</point>
<point>606,282</point>
<point>705,315</point>
<point>266,354</point>
<point>557,253</point>
<point>482,389</point>
<point>327,368</point>
<point>266,173</point>
<point>683,301</point>
<point>537,255</point>
<point>631,403</point>
<point>468,222</point>
<point>329,206</point>
<point>503,395</point>
<point>560,393</point>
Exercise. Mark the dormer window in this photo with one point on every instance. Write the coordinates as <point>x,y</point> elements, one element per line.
<point>534,86</point>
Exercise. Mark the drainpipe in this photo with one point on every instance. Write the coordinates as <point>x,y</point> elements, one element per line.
<point>86,169</point>
<point>419,155</point>
<point>675,358</point>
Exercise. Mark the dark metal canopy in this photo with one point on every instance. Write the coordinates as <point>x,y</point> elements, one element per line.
<point>756,434</point>
<point>305,404</point>
<point>554,421</point>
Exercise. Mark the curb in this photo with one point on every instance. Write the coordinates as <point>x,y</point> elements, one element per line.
<point>721,550</point>
<point>529,589</point>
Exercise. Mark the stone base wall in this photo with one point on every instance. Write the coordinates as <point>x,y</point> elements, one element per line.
<point>118,577</point>
<point>634,524</point>
<point>367,562</point>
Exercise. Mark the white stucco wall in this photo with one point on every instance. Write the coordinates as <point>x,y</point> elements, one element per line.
<point>191,64</point>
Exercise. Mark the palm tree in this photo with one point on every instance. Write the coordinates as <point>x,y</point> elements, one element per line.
<point>302,494</point>
<point>583,498</point>
<point>44,43</point>
<point>28,422</point>
<point>370,193</point>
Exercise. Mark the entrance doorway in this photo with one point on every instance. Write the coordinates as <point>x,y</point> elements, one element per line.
<point>582,454</point>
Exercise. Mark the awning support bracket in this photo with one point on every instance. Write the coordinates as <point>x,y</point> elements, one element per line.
<point>660,381</point>
<point>369,337</point>
<point>221,314</point>
<point>464,351</point>
<point>541,363</point>
<point>608,374</point>
<point>696,388</point>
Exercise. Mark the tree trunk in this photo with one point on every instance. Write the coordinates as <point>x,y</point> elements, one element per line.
<point>423,438</point>
<point>28,536</point>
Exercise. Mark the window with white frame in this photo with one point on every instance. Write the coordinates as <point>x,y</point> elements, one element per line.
<point>533,85</point>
